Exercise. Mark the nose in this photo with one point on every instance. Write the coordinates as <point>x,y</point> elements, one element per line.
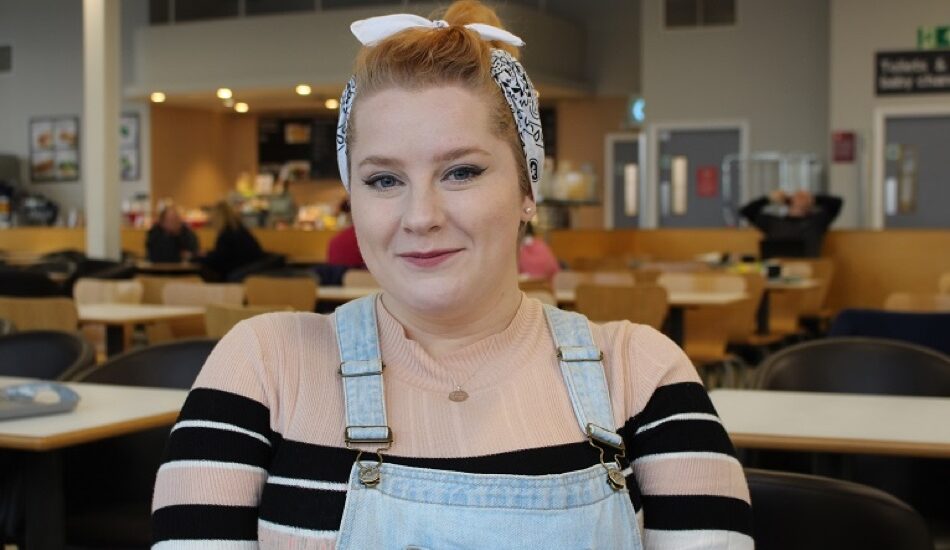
<point>424,212</point>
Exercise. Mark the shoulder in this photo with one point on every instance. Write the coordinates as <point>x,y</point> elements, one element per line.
<point>639,360</point>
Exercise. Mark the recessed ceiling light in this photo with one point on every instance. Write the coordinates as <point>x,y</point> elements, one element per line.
<point>331,103</point>
<point>241,107</point>
<point>224,93</point>
<point>303,89</point>
<point>157,97</point>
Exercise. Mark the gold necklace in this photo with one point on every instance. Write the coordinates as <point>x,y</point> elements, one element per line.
<point>458,394</point>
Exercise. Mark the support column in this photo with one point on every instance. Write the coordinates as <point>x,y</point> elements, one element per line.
<point>100,126</point>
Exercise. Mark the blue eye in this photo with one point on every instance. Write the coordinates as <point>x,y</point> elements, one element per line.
<point>464,173</point>
<point>382,182</point>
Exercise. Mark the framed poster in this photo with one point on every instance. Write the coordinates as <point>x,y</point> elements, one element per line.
<point>129,147</point>
<point>54,149</point>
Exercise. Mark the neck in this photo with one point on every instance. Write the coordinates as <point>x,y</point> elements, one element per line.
<point>443,333</point>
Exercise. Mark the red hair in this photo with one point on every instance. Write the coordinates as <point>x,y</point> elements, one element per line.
<point>455,56</point>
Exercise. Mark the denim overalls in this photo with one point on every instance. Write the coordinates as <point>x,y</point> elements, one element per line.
<point>402,507</point>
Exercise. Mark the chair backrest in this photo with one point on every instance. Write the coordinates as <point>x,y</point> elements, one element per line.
<point>702,282</point>
<point>169,365</point>
<point>27,284</point>
<point>104,291</point>
<point>219,319</point>
<point>601,263</point>
<point>153,286</point>
<point>612,277</point>
<point>913,301</point>
<point>202,294</point>
<point>645,304</point>
<point>742,316</point>
<point>795,511</point>
<point>858,365</point>
<point>943,285</point>
<point>930,330</point>
<point>45,354</point>
<point>359,278</point>
<point>299,293</point>
<point>535,285</point>
<point>40,313</point>
<point>811,301</point>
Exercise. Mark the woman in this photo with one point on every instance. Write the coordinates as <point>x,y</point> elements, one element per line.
<point>535,258</point>
<point>488,429</point>
<point>234,246</point>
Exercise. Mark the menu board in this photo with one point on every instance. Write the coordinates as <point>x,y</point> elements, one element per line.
<point>301,140</point>
<point>54,149</point>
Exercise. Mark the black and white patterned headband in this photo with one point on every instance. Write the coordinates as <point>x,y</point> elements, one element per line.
<point>505,70</point>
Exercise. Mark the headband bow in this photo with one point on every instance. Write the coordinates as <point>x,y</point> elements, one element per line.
<point>375,29</point>
<point>507,73</point>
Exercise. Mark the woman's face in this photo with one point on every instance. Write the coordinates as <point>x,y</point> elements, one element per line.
<point>435,198</point>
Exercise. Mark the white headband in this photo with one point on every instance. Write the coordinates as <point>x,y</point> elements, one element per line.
<point>510,76</point>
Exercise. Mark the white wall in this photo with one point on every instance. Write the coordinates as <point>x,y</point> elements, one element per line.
<point>280,50</point>
<point>859,29</point>
<point>46,36</point>
<point>770,70</point>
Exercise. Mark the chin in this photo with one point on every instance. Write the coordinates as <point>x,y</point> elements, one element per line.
<point>435,294</point>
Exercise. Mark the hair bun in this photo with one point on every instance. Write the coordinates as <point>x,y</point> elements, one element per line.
<point>464,12</point>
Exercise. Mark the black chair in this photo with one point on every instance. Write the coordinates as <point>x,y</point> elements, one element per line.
<point>99,511</point>
<point>27,284</point>
<point>796,511</point>
<point>44,354</point>
<point>868,366</point>
<point>931,330</point>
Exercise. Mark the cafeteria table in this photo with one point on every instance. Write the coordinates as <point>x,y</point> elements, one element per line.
<point>678,301</point>
<point>836,422</point>
<point>120,319</point>
<point>103,411</point>
<point>167,268</point>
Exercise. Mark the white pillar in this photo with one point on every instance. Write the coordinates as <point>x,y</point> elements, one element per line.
<point>100,126</point>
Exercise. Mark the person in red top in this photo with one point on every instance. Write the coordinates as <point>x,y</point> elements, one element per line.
<point>343,249</point>
<point>535,258</point>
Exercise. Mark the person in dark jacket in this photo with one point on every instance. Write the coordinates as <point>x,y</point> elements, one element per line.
<point>234,247</point>
<point>169,239</point>
<point>794,225</point>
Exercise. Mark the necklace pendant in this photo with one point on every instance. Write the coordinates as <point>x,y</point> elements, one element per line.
<point>458,395</point>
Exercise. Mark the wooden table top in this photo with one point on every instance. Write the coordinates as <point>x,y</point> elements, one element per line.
<point>120,314</point>
<point>792,284</point>
<point>167,267</point>
<point>834,422</point>
<point>103,411</point>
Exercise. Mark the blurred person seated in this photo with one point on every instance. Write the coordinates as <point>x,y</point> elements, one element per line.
<point>535,258</point>
<point>794,225</point>
<point>170,240</point>
<point>343,249</point>
<point>234,246</point>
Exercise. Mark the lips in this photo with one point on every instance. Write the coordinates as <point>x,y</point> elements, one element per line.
<point>429,258</point>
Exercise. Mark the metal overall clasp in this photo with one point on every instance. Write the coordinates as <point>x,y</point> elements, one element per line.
<point>614,469</point>
<point>369,474</point>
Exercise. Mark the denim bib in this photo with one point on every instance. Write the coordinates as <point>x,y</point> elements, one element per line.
<point>402,507</point>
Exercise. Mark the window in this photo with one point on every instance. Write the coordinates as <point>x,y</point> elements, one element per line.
<point>679,14</point>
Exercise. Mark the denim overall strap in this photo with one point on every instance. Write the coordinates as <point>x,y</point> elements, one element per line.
<point>361,367</point>
<point>583,370</point>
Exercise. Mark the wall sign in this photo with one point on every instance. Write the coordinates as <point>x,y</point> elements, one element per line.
<point>933,38</point>
<point>842,146</point>
<point>54,149</point>
<point>707,181</point>
<point>908,73</point>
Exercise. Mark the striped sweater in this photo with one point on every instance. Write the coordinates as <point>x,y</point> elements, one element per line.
<point>257,457</point>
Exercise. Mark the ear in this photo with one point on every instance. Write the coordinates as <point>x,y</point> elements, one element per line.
<point>528,209</point>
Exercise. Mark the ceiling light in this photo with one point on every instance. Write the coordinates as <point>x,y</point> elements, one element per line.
<point>157,97</point>
<point>240,107</point>
<point>224,93</point>
<point>331,103</point>
<point>303,89</point>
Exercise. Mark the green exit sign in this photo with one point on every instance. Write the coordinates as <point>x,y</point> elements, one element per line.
<point>933,38</point>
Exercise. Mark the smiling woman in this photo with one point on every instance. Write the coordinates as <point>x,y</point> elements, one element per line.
<point>502,423</point>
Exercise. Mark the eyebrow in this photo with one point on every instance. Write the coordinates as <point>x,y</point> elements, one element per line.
<point>447,156</point>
